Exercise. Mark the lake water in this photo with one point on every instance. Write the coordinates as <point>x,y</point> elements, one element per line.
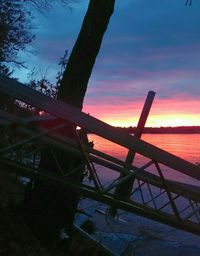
<point>186,146</point>
<point>156,238</point>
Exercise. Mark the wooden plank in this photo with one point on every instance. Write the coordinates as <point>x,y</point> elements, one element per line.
<point>69,113</point>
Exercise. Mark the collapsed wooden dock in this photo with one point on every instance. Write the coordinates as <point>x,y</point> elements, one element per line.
<point>152,195</point>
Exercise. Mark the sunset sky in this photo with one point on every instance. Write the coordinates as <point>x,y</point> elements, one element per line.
<point>149,45</point>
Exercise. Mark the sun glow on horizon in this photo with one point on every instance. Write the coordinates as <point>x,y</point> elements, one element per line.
<point>170,120</point>
<point>174,120</point>
<point>163,113</point>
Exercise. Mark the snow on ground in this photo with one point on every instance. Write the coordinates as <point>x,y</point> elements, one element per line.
<point>135,235</point>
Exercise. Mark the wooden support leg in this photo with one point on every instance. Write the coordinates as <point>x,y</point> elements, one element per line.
<point>124,190</point>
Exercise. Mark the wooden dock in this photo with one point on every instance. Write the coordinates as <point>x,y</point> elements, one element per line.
<point>152,195</point>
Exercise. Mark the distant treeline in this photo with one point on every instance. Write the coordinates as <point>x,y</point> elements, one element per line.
<point>160,130</point>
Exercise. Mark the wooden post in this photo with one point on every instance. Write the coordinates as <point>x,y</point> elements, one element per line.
<point>124,189</point>
<point>141,124</point>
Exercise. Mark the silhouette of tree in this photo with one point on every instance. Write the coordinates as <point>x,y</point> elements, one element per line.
<point>81,61</point>
<point>15,35</point>
<point>50,208</point>
<point>73,86</point>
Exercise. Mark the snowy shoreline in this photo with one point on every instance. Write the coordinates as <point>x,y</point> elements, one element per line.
<point>135,235</point>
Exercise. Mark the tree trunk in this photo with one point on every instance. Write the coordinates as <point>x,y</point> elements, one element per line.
<point>76,76</point>
<point>48,207</point>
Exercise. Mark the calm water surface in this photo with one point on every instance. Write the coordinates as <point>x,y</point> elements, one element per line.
<point>186,146</point>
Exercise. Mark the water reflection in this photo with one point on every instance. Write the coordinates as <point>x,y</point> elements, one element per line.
<point>185,146</point>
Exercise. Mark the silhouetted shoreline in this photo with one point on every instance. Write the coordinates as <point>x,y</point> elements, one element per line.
<point>165,130</point>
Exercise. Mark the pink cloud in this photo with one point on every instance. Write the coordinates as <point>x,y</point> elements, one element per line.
<point>166,110</point>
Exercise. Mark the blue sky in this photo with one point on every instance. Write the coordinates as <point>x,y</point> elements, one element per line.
<point>149,45</point>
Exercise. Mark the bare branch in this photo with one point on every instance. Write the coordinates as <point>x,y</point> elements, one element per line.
<point>16,62</point>
<point>44,5</point>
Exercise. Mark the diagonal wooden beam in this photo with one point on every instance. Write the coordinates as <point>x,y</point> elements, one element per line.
<point>73,115</point>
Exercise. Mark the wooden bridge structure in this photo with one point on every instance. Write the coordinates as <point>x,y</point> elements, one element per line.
<point>151,195</point>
